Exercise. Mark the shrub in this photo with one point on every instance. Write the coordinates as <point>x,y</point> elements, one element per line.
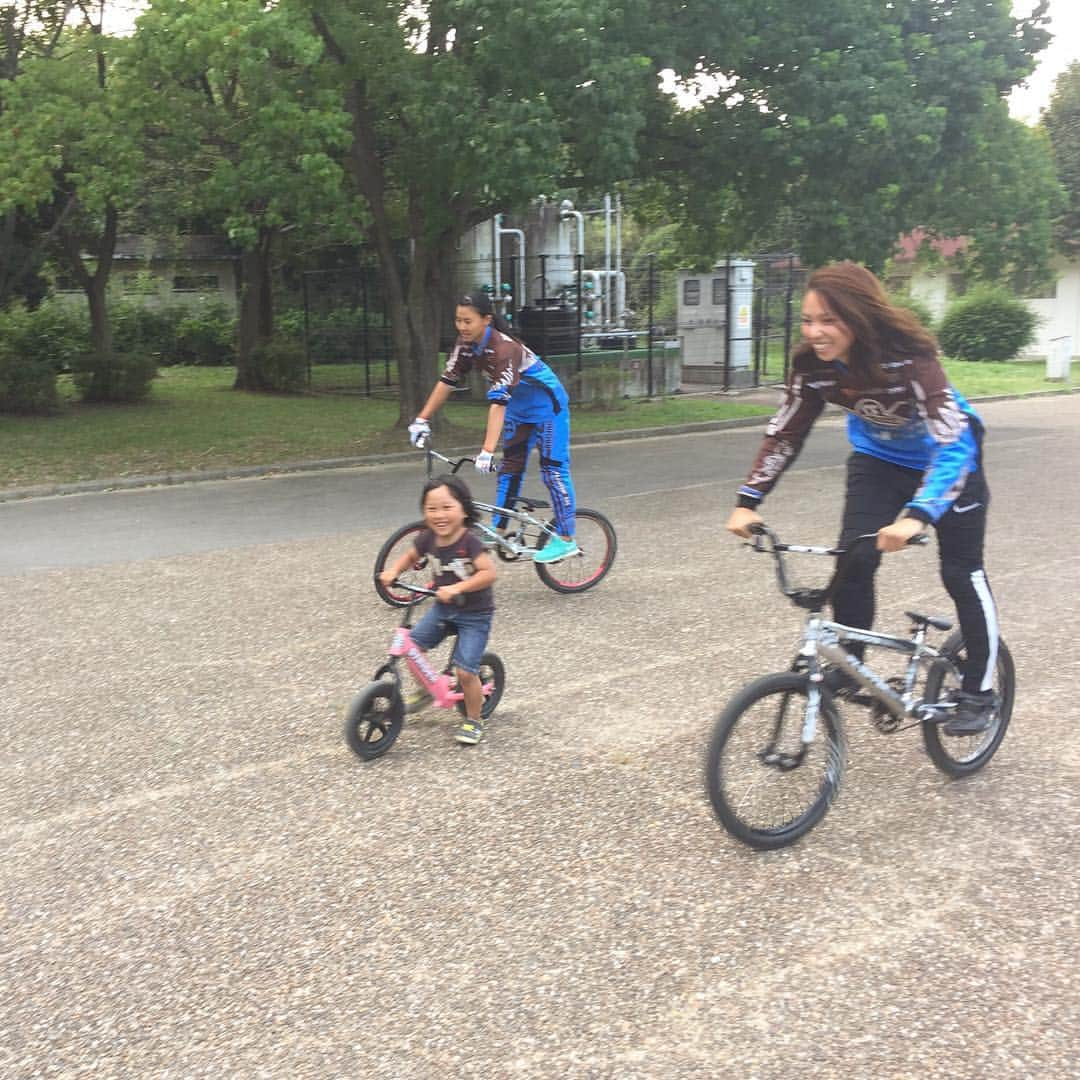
<point>917,307</point>
<point>281,365</point>
<point>599,387</point>
<point>987,324</point>
<point>206,338</point>
<point>122,376</point>
<point>27,369</point>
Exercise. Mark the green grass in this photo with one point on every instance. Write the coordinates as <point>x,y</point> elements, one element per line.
<point>195,420</point>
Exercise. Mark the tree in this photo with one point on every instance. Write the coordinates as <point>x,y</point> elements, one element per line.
<point>30,29</point>
<point>1061,120</point>
<point>861,120</point>
<point>462,109</point>
<point>243,120</point>
<point>70,151</point>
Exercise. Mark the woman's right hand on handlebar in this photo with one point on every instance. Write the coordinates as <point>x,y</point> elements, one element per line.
<point>742,517</point>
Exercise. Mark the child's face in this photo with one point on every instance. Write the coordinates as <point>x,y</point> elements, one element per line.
<point>470,324</point>
<point>444,515</point>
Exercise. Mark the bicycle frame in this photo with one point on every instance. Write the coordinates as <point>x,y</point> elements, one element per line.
<point>439,684</point>
<point>525,519</point>
<point>824,639</point>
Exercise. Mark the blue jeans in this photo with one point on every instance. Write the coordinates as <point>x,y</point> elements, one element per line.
<point>472,629</point>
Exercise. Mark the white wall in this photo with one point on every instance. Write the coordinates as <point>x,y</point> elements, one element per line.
<point>1059,316</point>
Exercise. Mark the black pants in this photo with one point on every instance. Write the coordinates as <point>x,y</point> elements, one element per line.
<point>876,492</point>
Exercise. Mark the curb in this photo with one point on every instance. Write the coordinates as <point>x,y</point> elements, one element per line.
<point>126,483</point>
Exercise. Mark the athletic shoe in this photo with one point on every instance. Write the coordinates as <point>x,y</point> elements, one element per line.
<point>555,549</point>
<point>470,732</point>
<point>416,700</point>
<point>973,715</point>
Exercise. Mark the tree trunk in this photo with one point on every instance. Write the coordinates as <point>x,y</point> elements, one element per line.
<point>256,322</point>
<point>95,286</point>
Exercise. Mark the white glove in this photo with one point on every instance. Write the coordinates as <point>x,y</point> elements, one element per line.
<point>484,462</point>
<point>419,432</point>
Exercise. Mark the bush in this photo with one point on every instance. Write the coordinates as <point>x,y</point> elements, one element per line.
<point>987,324</point>
<point>599,387</point>
<point>281,365</point>
<point>206,338</point>
<point>121,376</point>
<point>27,367</point>
<point>917,307</point>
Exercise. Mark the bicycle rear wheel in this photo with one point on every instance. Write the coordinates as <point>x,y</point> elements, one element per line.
<point>491,671</point>
<point>597,545</point>
<point>962,755</point>
<point>766,788</point>
<point>419,574</point>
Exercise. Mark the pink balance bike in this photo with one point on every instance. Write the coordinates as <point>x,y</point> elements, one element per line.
<point>377,714</point>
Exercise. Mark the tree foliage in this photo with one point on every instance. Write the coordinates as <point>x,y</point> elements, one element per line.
<point>1062,124</point>
<point>861,121</point>
<point>253,137</point>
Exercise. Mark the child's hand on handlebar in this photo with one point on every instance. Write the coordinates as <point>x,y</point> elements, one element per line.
<point>742,517</point>
<point>447,594</point>
<point>387,578</point>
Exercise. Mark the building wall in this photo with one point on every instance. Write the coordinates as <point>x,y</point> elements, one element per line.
<point>1059,315</point>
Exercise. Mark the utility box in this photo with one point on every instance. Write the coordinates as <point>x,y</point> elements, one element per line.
<point>714,315</point>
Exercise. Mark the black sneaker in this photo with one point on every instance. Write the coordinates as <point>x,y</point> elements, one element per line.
<point>973,715</point>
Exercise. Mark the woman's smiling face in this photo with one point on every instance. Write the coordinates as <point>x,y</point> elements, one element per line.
<point>831,339</point>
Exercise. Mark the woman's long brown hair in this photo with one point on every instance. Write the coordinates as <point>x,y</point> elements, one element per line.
<point>882,331</point>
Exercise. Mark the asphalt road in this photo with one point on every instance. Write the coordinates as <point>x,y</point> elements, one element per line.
<point>198,879</point>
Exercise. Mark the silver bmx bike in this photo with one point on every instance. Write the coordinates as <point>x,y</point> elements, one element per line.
<point>778,751</point>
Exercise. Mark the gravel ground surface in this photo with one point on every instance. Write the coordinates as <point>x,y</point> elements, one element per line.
<point>198,879</point>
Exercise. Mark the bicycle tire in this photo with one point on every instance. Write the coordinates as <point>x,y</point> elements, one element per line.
<point>396,545</point>
<point>963,755</point>
<point>493,671</point>
<point>736,749</point>
<point>598,546</point>
<point>374,720</point>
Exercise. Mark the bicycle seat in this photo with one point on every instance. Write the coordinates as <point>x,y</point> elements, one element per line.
<point>529,504</point>
<point>929,620</point>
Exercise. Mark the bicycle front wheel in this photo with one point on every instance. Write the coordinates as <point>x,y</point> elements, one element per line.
<point>597,545</point>
<point>766,787</point>
<point>419,574</point>
<point>964,754</point>
<point>374,720</point>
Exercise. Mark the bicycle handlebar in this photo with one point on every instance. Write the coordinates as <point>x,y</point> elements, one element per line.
<point>458,601</point>
<point>813,599</point>
<point>455,464</point>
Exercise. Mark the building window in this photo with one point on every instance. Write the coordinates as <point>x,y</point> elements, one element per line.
<point>195,283</point>
<point>719,291</point>
<point>691,292</point>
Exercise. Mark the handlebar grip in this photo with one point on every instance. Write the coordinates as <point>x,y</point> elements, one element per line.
<point>421,443</point>
<point>919,540</point>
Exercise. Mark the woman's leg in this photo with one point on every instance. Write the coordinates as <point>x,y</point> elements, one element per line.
<point>876,492</point>
<point>518,440</point>
<point>554,437</point>
<point>961,534</point>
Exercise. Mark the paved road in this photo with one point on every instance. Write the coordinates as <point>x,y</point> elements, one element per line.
<point>198,879</point>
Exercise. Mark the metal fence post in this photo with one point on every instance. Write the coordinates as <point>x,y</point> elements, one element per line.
<point>787,312</point>
<point>728,328</point>
<point>579,260</point>
<point>649,338</point>
<point>307,330</point>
